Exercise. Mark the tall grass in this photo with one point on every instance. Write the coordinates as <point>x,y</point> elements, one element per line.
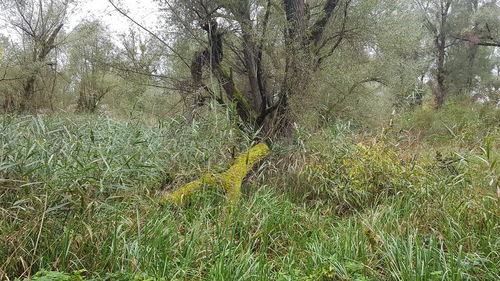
<point>79,193</point>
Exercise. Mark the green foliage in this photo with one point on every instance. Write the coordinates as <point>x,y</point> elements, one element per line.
<point>417,201</point>
<point>376,168</point>
<point>465,123</point>
<point>127,277</point>
<point>90,58</point>
<point>44,275</point>
<point>78,275</point>
<point>358,175</point>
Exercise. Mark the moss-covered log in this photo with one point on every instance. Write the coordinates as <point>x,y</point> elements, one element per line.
<point>229,181</point>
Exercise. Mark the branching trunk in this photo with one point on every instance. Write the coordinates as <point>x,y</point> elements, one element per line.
<point>212,57</point>
<point>40,55</point>
<point>258,107</point>
<point>302,47</point>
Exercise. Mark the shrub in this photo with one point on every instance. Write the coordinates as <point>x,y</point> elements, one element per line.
<point>356,176</point>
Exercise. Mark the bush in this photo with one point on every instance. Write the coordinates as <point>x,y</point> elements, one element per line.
<point>356,176</point>
<point>467,124</point>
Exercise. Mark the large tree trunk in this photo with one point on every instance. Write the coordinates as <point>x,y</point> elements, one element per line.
<point>297,68</point>
<point>280,121</point>
<point>251,64</point>
<point>212,57</point>
<point>295,15</point>
<point>303,44</point>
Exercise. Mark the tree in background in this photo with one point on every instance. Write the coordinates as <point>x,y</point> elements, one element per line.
<point>143,66</point>
<point>39,24</point>
<point>9,77</point>
<point>90,56</point>
<point>436,14</point>
<point>272,63</point>
<point>459,30</point>
<point>377,70</point>
<point>477,55</point>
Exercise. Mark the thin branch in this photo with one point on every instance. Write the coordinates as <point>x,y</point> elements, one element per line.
<point>479,43</point>
<point>150,32</point>
<point>124,69</point>
<point>10,79</point>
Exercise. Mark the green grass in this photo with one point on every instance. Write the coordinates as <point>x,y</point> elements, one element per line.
<point>78,195</point>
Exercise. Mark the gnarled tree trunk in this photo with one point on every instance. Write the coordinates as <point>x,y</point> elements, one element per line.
<point>257,107</point>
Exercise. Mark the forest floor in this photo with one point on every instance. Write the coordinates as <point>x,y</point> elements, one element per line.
<point>79,200</point>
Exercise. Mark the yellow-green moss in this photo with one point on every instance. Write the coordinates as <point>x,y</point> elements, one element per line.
<point>238,95</point>
<point>229,181</point>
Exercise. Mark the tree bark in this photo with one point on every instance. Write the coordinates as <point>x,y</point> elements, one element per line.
<point>295,11</point>
<point>212,57</point>
<point>440,45</point>
<point>471,54</point>
<point>28,93</point>
<point>29,87</point>
<point>440,90</point>
<point>302,47</point>
<point>250,55</point>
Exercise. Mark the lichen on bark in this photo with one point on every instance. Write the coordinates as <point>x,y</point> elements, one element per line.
<point>229,181</point>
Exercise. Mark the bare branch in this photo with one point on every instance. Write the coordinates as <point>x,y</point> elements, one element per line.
<point>490,43</point>
<point>150,32</point>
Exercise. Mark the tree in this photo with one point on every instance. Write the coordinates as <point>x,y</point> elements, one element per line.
<point>38,23</point>
<point>90,57</point>
<point>458,29</point>
<point>484,28</point>
<point>436,16</point>
<point>8,77</point>
<point>377,70</point>
<point>247,50</point>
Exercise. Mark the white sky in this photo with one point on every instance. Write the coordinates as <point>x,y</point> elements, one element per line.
<point>145,12</point>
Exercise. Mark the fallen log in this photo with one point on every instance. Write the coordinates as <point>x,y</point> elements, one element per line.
<point>229,181</point>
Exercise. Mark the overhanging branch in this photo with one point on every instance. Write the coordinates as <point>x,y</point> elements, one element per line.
<point>479,41</point>
<point>150,32</point>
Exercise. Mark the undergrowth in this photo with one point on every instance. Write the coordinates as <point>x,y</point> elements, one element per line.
<point>78,201</point>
